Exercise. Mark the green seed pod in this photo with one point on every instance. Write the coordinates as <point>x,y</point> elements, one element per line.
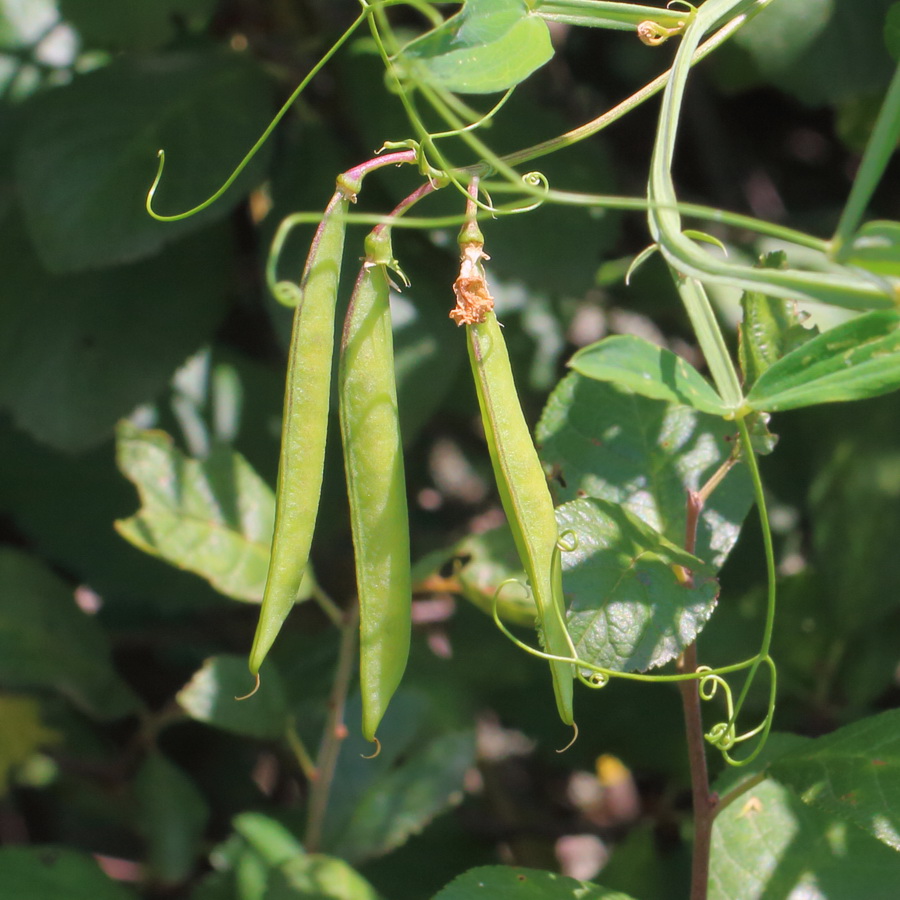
<point>524,494</point>
<point>304,427</point>
<point>373,460</point>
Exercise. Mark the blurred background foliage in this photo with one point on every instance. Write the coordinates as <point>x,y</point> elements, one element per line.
<point>113,739</point>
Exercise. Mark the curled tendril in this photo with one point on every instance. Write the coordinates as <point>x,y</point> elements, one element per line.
<point>674,4</point>
<point>723,736</point>
<point>148,203</point>
<point>595,680</point>
<point>286,292</point>
<point>652,34</point>
<point>567,541</point>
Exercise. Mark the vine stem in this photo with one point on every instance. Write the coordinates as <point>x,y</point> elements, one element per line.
<point>704,802</point>
<point>334,733</point>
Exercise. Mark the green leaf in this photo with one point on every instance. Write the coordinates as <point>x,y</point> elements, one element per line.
<point>875,248</point>
<point>487,560</point>
<point>82,351</point>
<point>771,328</point>
<point>54,873</point>
<point>892,31</point>
<point>822,52</point>
<point>263,860</point>
<point>132,24</point>
<point>629,607</point>
<point>46,641</point>
<point>23,734</point>
<point>853,772</point>
<point>768,844</point>
<point>854,503</point>
<point>853,361</point>
<point>598,440</point>
<point>213,517</point>
<point>507,883</point>
<point>211,697</point>
<point>490,45</point>
<point>171,815</point>
<point>648,370</point>
<point>376,804</point>
<point>86,153</point>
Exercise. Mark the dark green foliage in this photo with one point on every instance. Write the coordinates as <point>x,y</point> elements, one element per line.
<point>129,771</point>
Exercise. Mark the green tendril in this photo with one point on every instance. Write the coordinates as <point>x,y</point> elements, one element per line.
<point>259,142</point>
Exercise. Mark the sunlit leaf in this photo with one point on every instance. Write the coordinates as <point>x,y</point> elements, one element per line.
<point>598,440</point>
<point>631,606</point>
<point>506,883</point>
<point>768,843</point>
<point>490,45</point>
<point>858,359</point>
<point>213,517</point>
<point>853,772</point>
<point>648,370</point>
<point>211,697</point>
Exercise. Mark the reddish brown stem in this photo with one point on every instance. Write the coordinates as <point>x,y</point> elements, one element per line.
<point>333,734</point>
<point>704,802</point>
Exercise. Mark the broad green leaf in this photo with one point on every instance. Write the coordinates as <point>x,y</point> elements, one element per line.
<point>487,560</point>
<point>268,837</point>
<point>875,248</point>
<point>263,860</point>
<point>629,606</point>
<point>21,736</point>
<point>507,883</point>
<point>853,772</point>
<point>171,814</point>
<point>490,45</point>
<point>858,359</point>
<point>86,154</point>
<point>855,512</point>
<point>46,641</point>
<point>83,350</point>
<point>648,370</point>
<point>598,440</point>
<point>316,876</point>
<point>770,329</point>
<point>211,697</point>
<point>376,804</point>
<point>892,31</point>
<point>132,24</point>
<point>52,489</point>
<point>820,51</point>
<point>768,844</point>
<point>213,517</point>
<point>56,873</point>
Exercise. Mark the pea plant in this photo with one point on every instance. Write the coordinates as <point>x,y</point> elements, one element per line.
<point>603,559</point>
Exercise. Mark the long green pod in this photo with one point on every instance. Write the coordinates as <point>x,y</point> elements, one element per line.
<point>376,486</point>
<point>304,425</point>
<point>524,494</point>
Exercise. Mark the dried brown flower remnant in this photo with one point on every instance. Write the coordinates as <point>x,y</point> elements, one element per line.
<point>473,299</point>
<point>653,34</point>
